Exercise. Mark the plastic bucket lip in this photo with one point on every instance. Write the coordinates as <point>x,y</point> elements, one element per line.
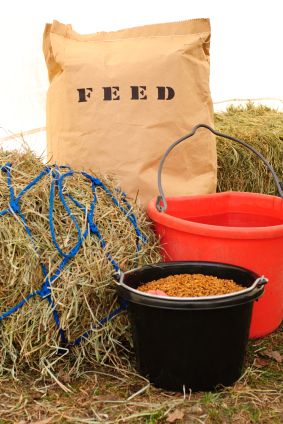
<point>203,302</point>
<point>193,298</point>
<point>209,230</point>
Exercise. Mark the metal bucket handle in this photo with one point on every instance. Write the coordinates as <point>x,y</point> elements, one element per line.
<point>161,204</point>
<point>258,283</point>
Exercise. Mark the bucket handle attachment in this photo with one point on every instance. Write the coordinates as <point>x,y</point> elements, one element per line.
<point>161,203</point>
<point>261,281</point>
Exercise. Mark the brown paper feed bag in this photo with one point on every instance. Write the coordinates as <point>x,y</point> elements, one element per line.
<point>117,100</point>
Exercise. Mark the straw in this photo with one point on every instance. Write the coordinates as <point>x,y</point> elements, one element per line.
<point>240,169</point>
<point>85,291</point>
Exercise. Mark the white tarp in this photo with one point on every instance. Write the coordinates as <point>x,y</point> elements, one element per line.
<point>246,53</point>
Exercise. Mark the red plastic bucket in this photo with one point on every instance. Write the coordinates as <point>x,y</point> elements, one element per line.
<point>243,229</point>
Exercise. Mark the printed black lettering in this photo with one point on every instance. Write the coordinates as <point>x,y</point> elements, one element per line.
<point>138,92</point>
<point>111,93</point>
<point>165,93</point>
<point>84,94</point>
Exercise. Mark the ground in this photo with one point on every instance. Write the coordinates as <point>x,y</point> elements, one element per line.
<point>111,396</point>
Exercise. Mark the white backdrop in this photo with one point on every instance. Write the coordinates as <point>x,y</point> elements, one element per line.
<point>246,49</point>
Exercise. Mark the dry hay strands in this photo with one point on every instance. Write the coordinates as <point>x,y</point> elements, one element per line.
<point>239,168</point>
<point>84,292</point>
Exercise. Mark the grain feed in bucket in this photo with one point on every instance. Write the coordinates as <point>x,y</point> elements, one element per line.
<point>191,285</point>
<point>82,294</point>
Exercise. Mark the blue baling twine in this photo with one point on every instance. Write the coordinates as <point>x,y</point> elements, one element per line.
<point>57,184</point>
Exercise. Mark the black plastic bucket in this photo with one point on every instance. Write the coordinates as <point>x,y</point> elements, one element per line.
<point>192,343</point>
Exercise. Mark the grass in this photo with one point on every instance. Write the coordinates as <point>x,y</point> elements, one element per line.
<point>112,396</point>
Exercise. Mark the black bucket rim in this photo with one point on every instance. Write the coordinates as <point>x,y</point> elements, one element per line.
<point>251,293</point>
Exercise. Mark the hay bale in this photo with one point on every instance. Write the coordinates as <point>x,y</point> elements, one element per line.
<point>240,169</point>
<point>84,293</point>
